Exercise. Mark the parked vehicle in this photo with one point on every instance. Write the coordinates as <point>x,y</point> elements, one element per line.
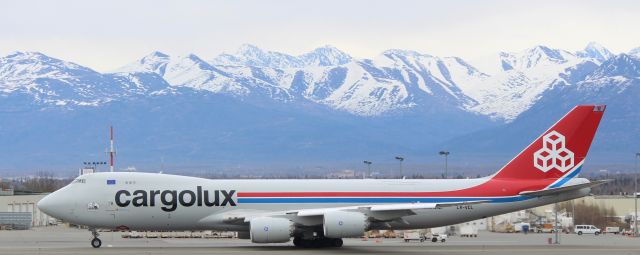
<point>586,229</point>
<point>613,230</point>
<point>521,226</point>
<point>413,235</point>
<point>468,231</point>
<point>132,234</point>
<point>52,222</point>
<point>547,228</point>
<point>437,238</point>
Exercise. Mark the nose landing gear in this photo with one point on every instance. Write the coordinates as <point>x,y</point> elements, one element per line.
<point>95,242</point>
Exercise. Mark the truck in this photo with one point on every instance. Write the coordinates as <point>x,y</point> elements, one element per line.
<point>413,235</point>
<point>614,230</point>
<point>547,228</point>
<point>468,231</point>
<point>521,227</point>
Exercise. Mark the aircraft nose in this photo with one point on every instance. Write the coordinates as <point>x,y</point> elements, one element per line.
<point>48,204</point>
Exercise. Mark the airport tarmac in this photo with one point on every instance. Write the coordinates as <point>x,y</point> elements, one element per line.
<point>62,240</point>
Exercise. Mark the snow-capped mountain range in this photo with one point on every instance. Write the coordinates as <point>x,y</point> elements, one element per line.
<point>393,81</point>
<point>311,103</point>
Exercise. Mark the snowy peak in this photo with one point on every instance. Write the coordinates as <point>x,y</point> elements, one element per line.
<point>51,81</point>
<point>155,62</point>
<point>395,53</point>
<point>26,65</point>
<point>595,51</point>
<point>251,55</point>
<point>534,57</point>
<point>325,56</point>
<point>394,80</point>
<point>622,65</point>
<point>406,58</point>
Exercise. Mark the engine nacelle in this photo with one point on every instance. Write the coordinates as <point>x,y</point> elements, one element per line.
<point>270,230</point>
<point>339,224</point>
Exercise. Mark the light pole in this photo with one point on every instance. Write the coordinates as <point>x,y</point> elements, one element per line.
<point>555,223</point>
<point>573,213</point>
<point>635,197</point>
<point>368,163</point>
<point>94,164</point>
<point>446,155</point>
<point>400,159</point>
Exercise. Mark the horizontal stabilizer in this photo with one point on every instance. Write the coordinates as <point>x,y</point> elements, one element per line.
<point>555,191</point>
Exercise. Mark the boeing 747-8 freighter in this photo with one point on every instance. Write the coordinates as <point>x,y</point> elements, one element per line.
<point>319,213</point>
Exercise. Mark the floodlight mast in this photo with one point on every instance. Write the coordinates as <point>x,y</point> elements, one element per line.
<point>635,197</point>
<point>446,163</point>
<point>368,163</point>
<point>399,158</point>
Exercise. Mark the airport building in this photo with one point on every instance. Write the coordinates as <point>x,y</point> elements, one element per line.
<point>624,206</point>
<point>20,211</point>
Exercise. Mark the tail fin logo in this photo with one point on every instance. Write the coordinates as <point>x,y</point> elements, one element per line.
<point>553,154</point>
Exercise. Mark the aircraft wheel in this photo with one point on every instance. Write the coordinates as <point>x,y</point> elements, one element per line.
<point>337,242</point>
<point>96,243</point>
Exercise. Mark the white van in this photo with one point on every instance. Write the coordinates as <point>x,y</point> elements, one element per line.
<point>586,229</point>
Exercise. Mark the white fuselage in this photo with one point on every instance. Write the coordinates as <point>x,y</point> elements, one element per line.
<point>94,200</point>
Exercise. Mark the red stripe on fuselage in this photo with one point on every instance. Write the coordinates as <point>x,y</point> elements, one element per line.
<point>493,187</point>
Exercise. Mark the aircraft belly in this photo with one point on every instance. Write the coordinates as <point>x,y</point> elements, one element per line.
<point>431,218</point>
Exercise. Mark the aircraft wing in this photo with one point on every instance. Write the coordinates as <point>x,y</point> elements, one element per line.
<point>555,191</point>
<point>384,207</point>
<point>384,212</point>
<point>310,217</point>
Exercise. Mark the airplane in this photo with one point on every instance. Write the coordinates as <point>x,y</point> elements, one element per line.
<point>320,212</point>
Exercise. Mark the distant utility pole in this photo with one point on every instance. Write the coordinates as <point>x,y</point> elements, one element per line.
<point>555,224</point>
<point>635,197</point>
<point>111,151</point>
<point>446,170</point>
<point>368,163</point>
<point>573,213</point>
<point>400,159</point>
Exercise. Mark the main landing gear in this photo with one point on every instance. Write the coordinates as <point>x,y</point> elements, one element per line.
<point>95,242</point>
<point>317,242</point>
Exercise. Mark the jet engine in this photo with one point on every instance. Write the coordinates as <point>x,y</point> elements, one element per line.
<point>270,230</point>
<point>339,224</point>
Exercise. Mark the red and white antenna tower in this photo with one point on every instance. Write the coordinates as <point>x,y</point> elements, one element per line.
<point>112,151</point>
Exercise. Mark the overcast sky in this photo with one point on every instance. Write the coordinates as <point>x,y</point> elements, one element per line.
<point>105,35</point>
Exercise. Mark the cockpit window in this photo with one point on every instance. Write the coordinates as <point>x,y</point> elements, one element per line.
<point>79,180</point>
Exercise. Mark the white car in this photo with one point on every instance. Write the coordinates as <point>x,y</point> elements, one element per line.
<point>586,229</point>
